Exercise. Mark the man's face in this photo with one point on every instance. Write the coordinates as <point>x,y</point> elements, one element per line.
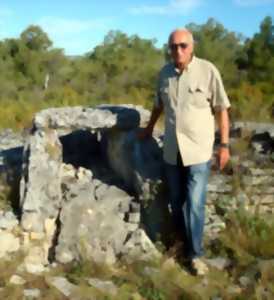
<point>181,48</point>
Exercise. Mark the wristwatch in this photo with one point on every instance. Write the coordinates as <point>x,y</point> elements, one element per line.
<point>224,145</point>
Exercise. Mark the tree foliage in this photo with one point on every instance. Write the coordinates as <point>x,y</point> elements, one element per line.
<point>218,45</point>
<point>35,38</point>
<point>123,69</point>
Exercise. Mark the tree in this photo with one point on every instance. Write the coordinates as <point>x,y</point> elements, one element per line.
<point>127,64</point>
<point>35,38</point>
<point>220,46</point>
<point>260,53</point>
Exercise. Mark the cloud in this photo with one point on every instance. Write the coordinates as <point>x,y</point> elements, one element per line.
<point>253,2</point>
<point>66,27</point>
<point>74,35</point>
<point>174,7</point>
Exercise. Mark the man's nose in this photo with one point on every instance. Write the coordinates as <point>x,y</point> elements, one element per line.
<point>179,50</point>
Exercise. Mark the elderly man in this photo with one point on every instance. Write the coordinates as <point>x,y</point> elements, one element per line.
<point>191,93</point>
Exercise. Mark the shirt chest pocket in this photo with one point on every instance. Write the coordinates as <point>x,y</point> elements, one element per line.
<point>198,96</point>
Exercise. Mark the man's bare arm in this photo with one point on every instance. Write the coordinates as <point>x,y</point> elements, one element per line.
<point>155,114</point>
<point>223,122</point>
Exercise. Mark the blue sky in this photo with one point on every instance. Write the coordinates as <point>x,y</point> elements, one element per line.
<point>78,26</point>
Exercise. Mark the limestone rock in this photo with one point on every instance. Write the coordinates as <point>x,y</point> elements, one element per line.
<point>36,260</point>
<point>62,285</point>
<point>96,231</point>
<point>139,246</point>
<point>40,190</point>
<point>32,293</point>
<point>88,182</point>
<point>9,243</point>
<point>219,263</point>
<point>17,280</point>
<point>107,287</point>
<point>8,220</point>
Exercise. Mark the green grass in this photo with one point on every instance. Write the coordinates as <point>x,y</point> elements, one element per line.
<point>248,241</point>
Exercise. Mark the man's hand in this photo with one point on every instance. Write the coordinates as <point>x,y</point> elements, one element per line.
<point>144,133</point>
<point>223,157</point>
<point>147,131</point>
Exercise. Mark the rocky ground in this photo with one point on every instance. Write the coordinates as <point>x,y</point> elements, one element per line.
<point>48,251</point>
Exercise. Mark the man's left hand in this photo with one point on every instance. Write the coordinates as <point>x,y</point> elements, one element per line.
<point>224,156</point>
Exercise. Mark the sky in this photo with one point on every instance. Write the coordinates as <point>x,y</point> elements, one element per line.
<point>79,26</point>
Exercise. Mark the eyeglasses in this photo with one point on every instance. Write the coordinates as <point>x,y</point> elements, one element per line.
<point>174,47</point>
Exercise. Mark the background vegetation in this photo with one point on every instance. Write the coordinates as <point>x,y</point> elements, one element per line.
<point>123,69</point>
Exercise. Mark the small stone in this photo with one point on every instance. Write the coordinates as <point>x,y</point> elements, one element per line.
<point>107,287</point>
<point>36,260</point>
<point>62,285</point>
<point>169,263</point>
<point>54,265</point>
<point>8,221</point>
<point>67,170</point>
<point>83,175</point>
<point>124,207</point>
<point>135,207</point>
<point>267,199</point>
<point>134,218</point>
<point>9,243</point>
<point>131,227</point>
<point>140,246</point>
<point>245,281</point>
<point>234,289</point>
<point>34,268</point>
<point>37,235</point>
<point>219,263</point>
<point>32,293</point>
<point>64,256</point>
<point>18,280</point>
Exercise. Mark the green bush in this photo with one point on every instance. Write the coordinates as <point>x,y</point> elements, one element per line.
<point>249,235</point>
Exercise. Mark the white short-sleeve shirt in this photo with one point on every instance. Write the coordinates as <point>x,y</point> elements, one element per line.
<point>190,99</point>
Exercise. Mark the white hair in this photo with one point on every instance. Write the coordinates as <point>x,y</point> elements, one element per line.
<point>191,39</point>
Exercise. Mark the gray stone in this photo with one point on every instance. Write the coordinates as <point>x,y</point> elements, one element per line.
<point>234,289</point>
<point>134,218</point>
<point>17,280</point>
<point>219,263</point>
<point>131,227</point>
<point>32,293</point>
<point>9,243</point>
<point>86,191</point>
<point>138,163</point>
<point>257,180</point>
<point>10,139</point>
<point>257,172</point>
<point>104,116</point>
<point>62,285</point>
<point>135,207</point>
<point>255,127</point>
<point>124,207</point>
<point>245,281</point>
<point>8,220</point>
<point>139,246</point>
<point>264,199</point>
<point>219,184</point>
<point>105,286</point>
<point>96,231</point>
<point>40,190</point>
<point>35,260</point>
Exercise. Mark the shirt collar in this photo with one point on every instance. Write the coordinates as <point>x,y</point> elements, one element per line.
<point>188,67</point>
